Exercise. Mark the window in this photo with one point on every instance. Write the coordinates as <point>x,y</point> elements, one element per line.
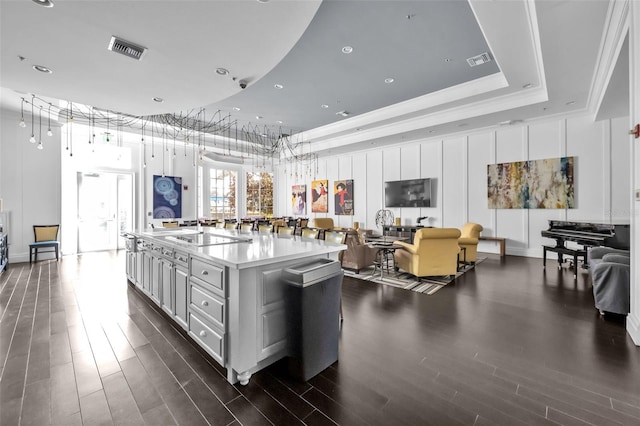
<point>260,194</point>
<point>222,193</point>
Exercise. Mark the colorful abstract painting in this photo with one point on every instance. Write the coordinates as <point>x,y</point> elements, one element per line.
<point>534,184</point>
<point>319,196</point>
<point>167,197</point>
<point>299,199</point>
<point>343,197</point>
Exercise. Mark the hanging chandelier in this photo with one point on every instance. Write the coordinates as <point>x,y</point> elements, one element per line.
<point>214,136</point>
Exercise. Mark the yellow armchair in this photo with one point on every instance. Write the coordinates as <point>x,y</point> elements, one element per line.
<point>469,236</point>
<point>323,223</point>
<point>434,252</point>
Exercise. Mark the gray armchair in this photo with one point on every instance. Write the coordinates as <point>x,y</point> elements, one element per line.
<point>610,274</point>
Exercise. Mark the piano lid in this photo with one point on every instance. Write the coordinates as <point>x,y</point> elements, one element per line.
<point>590,233</point>
<point>592,227</point>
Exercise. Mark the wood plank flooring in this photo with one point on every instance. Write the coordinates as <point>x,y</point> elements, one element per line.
<point>507,343</point>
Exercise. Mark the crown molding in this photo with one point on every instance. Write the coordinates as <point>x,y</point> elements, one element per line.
<point>482,107</point>
<point>615,31</point>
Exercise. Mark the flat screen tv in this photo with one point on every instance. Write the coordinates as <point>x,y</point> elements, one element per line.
<point>408,193</point>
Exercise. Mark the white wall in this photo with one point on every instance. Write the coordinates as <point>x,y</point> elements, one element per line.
<point>29,181</point>
<point>459,165</point>
<point>633,319</point>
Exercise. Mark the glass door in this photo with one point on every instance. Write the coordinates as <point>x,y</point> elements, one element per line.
<point>104,210</point>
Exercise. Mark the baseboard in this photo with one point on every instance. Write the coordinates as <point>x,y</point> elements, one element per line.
<point>24,257</point>
<point>633,328</point>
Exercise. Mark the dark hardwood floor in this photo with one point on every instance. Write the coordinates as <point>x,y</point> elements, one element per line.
<point>507,343</point>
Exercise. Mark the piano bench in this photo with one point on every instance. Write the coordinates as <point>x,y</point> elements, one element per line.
<point>575,253</point>
<point>501,240</point>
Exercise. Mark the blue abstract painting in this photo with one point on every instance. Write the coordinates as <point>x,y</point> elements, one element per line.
<point>167,197</point>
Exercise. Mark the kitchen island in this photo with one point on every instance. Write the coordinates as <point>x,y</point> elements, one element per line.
<point>224,288</point>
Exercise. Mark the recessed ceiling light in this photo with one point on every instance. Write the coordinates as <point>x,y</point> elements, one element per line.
<point>343,113</point>
<point>236,109</point>
<point>258,117</point>
<point>432,131</point>
<point>278,86</point>
<point>279,121</point>
<point>157,99</point>
<point>222,71</point>
<point>526,86</point>
<point>324,106</point>
<point>45,3</point>
<point>571,103</point>
<point>42,69</point>
<point>448,60</point>
<point>263,1</point>
<point>347,49</point>
<point>389,80</point>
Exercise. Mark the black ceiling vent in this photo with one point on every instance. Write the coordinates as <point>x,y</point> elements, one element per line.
<point>126,48</point>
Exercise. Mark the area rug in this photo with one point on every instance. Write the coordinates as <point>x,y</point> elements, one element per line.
<point>406,281</point>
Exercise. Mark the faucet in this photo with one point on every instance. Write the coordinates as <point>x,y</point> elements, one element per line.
<point>422,218</point>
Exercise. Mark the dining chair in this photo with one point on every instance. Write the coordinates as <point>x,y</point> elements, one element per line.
<point>246,227</point>
<point>265,229</point>
<point>310,233</point>
<point>335,236</point>
<point>230,225</point>
<point>286,230</point>
<point>170,224</point>
<point>45,236</point>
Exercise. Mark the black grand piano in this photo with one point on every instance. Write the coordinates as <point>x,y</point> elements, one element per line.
<point>585,234</point>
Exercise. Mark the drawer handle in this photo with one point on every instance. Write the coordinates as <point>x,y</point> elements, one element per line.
<point>204,272</point>
<point>203,333</point>
<point>182,259</point>
<point>205,303</point>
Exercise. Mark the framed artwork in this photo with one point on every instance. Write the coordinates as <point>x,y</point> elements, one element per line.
<point>167,197</point>
<point>299,199</point>
<point>534,184</point>
<point>343,197</point>
<point>319,196</point>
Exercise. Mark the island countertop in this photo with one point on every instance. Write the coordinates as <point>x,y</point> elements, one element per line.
<point>237,249</point>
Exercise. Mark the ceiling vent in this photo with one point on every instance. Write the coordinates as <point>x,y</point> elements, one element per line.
<point>126,48</point>
<point>482,58</point>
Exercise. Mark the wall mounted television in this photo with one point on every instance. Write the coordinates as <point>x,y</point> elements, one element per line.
<point>408,193</point>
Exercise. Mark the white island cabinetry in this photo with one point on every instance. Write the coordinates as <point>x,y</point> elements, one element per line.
<point>228,297</point>
<point>207,307</point>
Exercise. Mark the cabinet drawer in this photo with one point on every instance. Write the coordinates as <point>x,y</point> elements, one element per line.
<point>211,340</point>
<point>207,273</point>
<point>211,306</point>
<point>180,257</point>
